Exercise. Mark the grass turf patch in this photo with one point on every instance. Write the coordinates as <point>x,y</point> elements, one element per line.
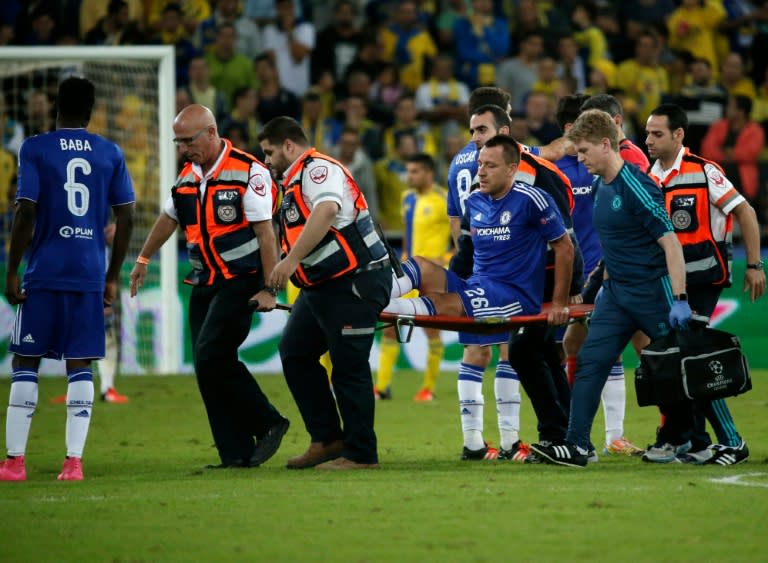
<point>146,497</point>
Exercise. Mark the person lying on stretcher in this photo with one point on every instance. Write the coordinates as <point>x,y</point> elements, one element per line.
<point>510,224</point>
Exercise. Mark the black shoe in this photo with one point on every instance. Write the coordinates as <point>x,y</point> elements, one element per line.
<point>268,444</point>
<point>481,454</point>
<point>518,452</point>
<point>237,464</point>
<point>725,455</point>
<point>561,454</point>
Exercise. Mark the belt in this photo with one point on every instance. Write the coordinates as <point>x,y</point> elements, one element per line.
<point>372,266</point>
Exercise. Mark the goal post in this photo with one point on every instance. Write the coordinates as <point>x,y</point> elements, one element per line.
<point>135,90</point>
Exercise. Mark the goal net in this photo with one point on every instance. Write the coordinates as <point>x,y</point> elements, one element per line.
<point>134,108</point>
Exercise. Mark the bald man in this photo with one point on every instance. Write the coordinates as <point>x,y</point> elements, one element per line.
<point>223,199</point>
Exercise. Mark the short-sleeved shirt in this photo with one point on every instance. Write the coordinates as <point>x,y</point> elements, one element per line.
<point>462,176</point>
<point>75,178</point>
<point>630,218</point>
<point>723,197</point>
<point>427,233</point>
<point>510,237</point>
<point>256,207</point>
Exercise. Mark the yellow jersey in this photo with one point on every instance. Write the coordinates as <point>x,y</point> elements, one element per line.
<point>427,231</point>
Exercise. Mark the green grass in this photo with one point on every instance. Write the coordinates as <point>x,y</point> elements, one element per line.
<point>145,497</point>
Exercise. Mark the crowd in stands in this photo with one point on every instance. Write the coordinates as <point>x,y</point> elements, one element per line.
<point>375,81</point>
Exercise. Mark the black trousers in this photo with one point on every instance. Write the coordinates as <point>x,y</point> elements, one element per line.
<point>220,319</point>
<point>337,316</point>
<point>533,354</point>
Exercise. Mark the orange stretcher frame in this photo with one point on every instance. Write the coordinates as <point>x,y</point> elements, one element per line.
<point>404,323</point>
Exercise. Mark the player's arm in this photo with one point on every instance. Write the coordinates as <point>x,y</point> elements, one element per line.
<point>564,252</point>
<point>556,150</point>
<point>673,253</point>
<point>122,237</point>
<point>455,223</point>
<point>21,235</point>
<point>161,231</point>
<point>754,280</point>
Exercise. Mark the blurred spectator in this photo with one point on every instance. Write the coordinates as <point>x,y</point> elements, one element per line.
<point>12,130</point>
<point>92,11</point>
<point>571,65</point>
<point>237,133</point>
<point>386,90</point>
<point>115,28</point>
<point>587,34</point>
<point>358,84</point>
<point>642,78</point>
<point>602,78</point>
<point>351,154</point>
<point>408,45</point>
<point>355,116</point>
<point>7,183</point>
<point>183,99</point>
<point>620,46</point>
<point>760,107</point>
<point>263,12</point>
<point>407,122</point>
<point>547,82</point>
<point>391,183</point>
<point>202,92</point>
<point>519,129</point>
<point>451,11</point>
<point>759,46</point>
<point>442,100</point>
<point>693,28</point>
<point>735,143</point>
<point>337,45</point>
<point>538,109</point>
<point>194,13</point>
<point>228,69</point>
<point>739,27</point>
<point>290,43</point>
<point>543,17</point>
<point>274,100</point>
<point>481,40</point>
<point>703,101</point>
<point>638,15</point>
<point>39,118</point>
<point>732,77</point>
<point>42,29</point>
<point>316,124</point>
<point>449,148</point>
<point>172,32</point>
<point>368,59</point>
<point>249,41</point>
<point>244,114</point>
<point>132,135</point>
<point>516,75</point>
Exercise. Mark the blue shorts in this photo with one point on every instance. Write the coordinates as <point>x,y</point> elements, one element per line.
<point>486,298</point>
<point>62,325</point>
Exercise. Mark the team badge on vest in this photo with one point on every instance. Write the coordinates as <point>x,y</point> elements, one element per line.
<point>681,219</point>
<point>505,218</point>
<point>616,203</point>
<point>292,214</point>
<point>227,213</point>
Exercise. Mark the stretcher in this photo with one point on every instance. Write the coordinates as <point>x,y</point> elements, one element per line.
<point>404,324</point>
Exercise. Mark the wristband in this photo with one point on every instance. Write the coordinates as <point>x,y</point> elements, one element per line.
<point>273,291</point>
<point>142,260</point>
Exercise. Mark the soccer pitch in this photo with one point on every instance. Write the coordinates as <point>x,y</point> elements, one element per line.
<point>146,498</point>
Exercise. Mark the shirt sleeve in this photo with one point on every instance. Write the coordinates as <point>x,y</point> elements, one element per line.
<point>323,181</point>
<point>646,201</point>
<point>257,201</point>
<point>121,191</point>
<point>546,217</point>
<point>170,209</point>
<point>29,177</point>
<point>722,194</point>
<point>305,34</point>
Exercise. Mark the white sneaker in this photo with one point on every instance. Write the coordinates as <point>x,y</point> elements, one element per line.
<point>696,458</point>
<point>665,453</point>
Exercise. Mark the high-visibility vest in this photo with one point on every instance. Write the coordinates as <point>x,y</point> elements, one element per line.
<point>532,169</point>
<point>220,241</point>
<point>686,197</point>
<point>350,249</point>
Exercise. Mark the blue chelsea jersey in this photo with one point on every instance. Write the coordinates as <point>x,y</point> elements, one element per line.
<point>630,217</point>
<point>583,202</point>
<point>74,177</point>
<point>462,176</point>
<point>510,237</point>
